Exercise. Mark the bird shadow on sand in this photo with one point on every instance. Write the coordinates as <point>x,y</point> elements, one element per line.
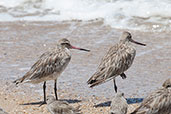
<point>134,100</point>
<point>33,103</point>
<point>104,104</point>
<point>40,102</point>
<point>70,101</point>
<point>129,101</point>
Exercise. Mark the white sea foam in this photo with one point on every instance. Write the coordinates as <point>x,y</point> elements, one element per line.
<point>123,14</point>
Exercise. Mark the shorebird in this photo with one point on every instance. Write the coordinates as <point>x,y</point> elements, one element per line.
<point>49,66</point>
<point>119,104</point>
<point>60,107</point>
<point>117,60</point>
<point>157,102</point>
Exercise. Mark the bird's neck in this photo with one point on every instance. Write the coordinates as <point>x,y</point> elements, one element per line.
<point>127,44</point>
<point>124,42</point>
<point>61,47</point>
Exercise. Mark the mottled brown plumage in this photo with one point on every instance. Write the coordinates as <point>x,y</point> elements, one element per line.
<point>60,107</point>
<point>117,60</point>
<point>50,65</point>
<point>157,102</point>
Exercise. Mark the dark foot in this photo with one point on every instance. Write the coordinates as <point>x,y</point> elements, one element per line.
<point>123,76</point>
<point>42,103</point>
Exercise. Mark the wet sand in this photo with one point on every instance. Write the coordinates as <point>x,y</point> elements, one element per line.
<point>23,42</point>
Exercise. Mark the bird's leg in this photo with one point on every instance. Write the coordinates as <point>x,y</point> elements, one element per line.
<point>44,92</point>
<point>123,76</point>
<point>115,87</point>
<point>55,89</point>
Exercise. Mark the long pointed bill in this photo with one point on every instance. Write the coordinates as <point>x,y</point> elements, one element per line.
<point>137,42</point>
<point>80,48</point>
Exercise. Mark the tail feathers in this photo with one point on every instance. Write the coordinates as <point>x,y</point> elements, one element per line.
<point>20,80</point>
<point>136,111</point>
<point>96,82</point>
<point>77,109</point>
<point>133,113</point>
<point>98,79</point>
<point>96,76</point>
<point>91,81</point>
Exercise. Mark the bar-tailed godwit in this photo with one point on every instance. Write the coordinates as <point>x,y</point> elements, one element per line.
<point>117,60</point>
<point>49,66</point>
<point>157,102</point>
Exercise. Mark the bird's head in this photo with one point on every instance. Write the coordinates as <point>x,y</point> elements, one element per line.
<point>127,37</point>
<point>66,43</point>
<point>50,99</point>
<point>120,95</point>
<point>167,83</point>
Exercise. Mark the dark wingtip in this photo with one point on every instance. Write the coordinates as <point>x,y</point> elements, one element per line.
<point>132,113</point>
<point>91,86</point>
<point>91,83</point>
<point>16,82</point>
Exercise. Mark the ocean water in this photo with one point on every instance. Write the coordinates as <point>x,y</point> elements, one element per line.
<point>142,15</point>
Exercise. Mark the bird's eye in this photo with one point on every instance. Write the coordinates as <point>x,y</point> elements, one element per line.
<point>129,36</point>
<point>64,43</point>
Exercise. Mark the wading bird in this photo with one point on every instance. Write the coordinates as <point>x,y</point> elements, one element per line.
<point>117,60</point>
<point>157,102</point>
<point>49,66</point>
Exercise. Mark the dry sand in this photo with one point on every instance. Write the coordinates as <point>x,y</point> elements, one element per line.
<point>25,101</point>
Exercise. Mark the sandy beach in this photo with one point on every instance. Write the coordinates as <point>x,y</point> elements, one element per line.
<point>22,101</point>
<point>23,42</point>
